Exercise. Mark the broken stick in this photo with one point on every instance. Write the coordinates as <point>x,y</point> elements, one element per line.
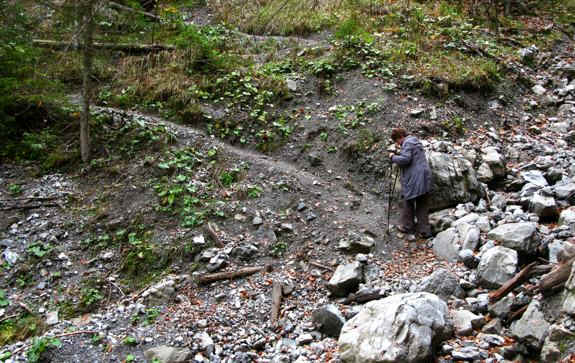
<point>276,300</point>
<point>512,283</point>
<point>218,276</point>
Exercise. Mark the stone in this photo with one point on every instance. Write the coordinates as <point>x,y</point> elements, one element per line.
<point>569,294</point>
<point>328,320</point>
<point>356,243</point>
<point>494,326</point>
<point>469,235</point>
<point>401,328</point>
<point>291,85</point>
<point>497,265</point>
<point>314,159</point>
<point>454,181</point>
<point>539,90</point>
<point>535,177</point>
<point>563,191</point>
<point>304,339</point>
<point>346,279</point>
<point>52,318</point>
<point>446,245</point>
<point>465,321</point>
<point>205,342</point>
<point>544,206</point>
<point>495,160</point>
<point>567,218</point>
<point>441,220</point>
<point>466,354</point>
<point>492,340</point>
<point>518,236</point>
<point>502,308</point>
<point>531,329</point>
<point>441,283</point>
<point>468,258</point>
<point>167,354</point>
<point>10,256</point>
<point>484,173</point>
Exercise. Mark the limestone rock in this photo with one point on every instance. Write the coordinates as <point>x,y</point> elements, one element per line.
<point>400,328</point>
<point>346,279</point>
<point>328,320</point>
<point>497,265</point>
<point>166,354</point>
<point>518,236</point>
<point>531,328</point>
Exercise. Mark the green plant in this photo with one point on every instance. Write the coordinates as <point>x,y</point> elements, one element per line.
<point>40,346</point>
<point>3,299</point>
<point>97,338</point>
<point>90,297</point>
<point>39,249</point>
<point>255,192</point>
<point>130,358</point>
<point>15,189</point>
<point>278,248</point>
<point>130,341</point>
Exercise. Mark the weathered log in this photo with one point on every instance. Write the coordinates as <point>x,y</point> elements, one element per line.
<point>512,283</point>
<point>276,300</point>
<point>218,276</point>
<point>556,279</point>
<point>132,10</point>
<point>124,47</point>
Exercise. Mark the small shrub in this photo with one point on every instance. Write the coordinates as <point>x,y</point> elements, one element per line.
<point>40,346</point>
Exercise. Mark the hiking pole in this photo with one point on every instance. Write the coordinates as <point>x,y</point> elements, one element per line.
<point>390,196</point>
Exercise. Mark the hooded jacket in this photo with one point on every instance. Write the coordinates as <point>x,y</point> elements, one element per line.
<point>416,174</point>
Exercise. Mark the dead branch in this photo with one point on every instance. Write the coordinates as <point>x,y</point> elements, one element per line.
<point>218,276</point>
<point>276,300</point>
<point>512,283</point>
<point>131,10</point>
<point>556,278</point>
<point>46,205</point>
<point>130,48</point>
<point>517,314</point>
<point>9,317</point>
<point>319,265</point>
<point>211,231</point>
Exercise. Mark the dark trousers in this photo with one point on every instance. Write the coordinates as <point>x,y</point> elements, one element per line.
<point>416,209</point>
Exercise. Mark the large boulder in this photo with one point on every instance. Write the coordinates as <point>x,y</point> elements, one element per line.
<point>518,236</point>
<point>401,328</point>
<point>544,206</point>
<point>495,160</point>
<point>497,265</point>
<point>328,320</point>
<point>454,181</point>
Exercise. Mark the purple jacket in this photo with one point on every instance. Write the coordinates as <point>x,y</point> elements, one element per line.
<point>416,174</point>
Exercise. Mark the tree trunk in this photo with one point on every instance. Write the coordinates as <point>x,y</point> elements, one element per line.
<point>87,31</point>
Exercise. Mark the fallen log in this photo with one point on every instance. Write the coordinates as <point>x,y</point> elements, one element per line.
<point>555,280</point>
<point>124,47</point>
<point>218,276</point>
<point>512,283</point>
<point>132,10</point>
<point>276,300</point>
<point>319,265</point>
<point>362,298</point>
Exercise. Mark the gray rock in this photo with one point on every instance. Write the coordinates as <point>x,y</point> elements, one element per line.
<point>441,220</point>
<point>244,251</point>
<point>567,218</point>
<point>544,206</point>
<point>314,159</point>
<point>10,256</point>
<point>441,283</point>
<point>52,318</point>
<point>495,160</point>
<point>454,181</point>
<point>493,340</point>
<point>535,177</point>
<point>469,236</point>
<point>465,321</point>
<point>166,354</point>
<point>497,265</point>
<point>494,326</point>
<point>484,173</point>
<point>346,279</point>
<point>291,85</point>
<point>446,245</point>
<point>539,90</point>
<point>205,342</point>
<point>466,354</point>
<point>265,235</point>
<point>518,236</point>
<point>356,243</point>
<point>328,320</point>
<point>569,294</point>
<point>563,191</point>
<point>502,308</point>
<point>468,258</point>
<point>400,328</point>
<point>531,328</point>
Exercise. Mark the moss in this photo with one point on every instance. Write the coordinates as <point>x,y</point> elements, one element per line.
<point>18,329</point>
<point>142,265</point>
